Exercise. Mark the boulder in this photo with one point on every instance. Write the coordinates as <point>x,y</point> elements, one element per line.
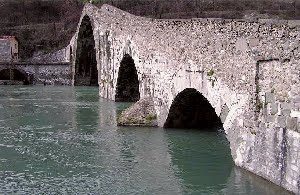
<point>142,113</point>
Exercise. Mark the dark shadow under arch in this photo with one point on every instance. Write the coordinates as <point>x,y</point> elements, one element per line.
<point>127,83</point>
<point>191,110</point>
<point>10,75</point>
<point>86,65</point>
<point>71,54</point>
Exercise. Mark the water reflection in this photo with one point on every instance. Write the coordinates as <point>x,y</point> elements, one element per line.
<point>87,109</point>
<point>145,153</point>
<point>244,182</point>
<point>202,158</point>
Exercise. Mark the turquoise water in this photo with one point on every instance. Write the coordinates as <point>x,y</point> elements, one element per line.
<point>64,140</point>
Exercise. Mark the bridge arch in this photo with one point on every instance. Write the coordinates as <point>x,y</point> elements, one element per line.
<point>86,72</point>
<point>191,110</point>
<point>15,76</point>
<point>127,89</point>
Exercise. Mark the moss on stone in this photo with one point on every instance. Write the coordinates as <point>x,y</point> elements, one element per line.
<point>210,72</point>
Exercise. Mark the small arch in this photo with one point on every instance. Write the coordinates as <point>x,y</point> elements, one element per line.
<point>127,83</point>
<point>86,72</point>
<point>191,110</point>
<point>9,75</point>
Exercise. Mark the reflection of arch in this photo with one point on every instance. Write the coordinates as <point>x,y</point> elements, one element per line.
<point>16,75</point>
<point>86,65</point>
<point>202,155</point>
<point>127,82</point>
<point>87,116</point>
<point>190,109</point>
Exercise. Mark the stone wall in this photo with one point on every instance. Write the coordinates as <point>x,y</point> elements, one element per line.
<point>5,53</point>
<point>55,57</point>
<point>49,74</point>
<point>247,70</point>
<point>277,137</point>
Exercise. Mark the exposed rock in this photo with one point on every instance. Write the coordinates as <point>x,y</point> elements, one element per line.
<point>142,113</point>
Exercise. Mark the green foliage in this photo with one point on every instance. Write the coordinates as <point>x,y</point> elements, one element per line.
<point>259,105</point>
<point>133,121</point>
<point>151,117</point>
<point>211,78</point>
<point>253,132</point>
<point>272,90</point>
<point>210,72</point>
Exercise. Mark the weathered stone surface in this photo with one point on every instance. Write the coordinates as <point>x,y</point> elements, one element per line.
<point>291,123</point>
<point>270,97</point>
<point>224,113</point>
<point>55,57</point>
<point>142,113</point>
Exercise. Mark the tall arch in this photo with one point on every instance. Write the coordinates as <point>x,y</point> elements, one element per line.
<point>15,75</point>
<point>191,110</point>
<point>86,72</point>
<point>127,82</point>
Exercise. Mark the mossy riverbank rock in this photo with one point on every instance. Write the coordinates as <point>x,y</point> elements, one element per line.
<point>142,113</point>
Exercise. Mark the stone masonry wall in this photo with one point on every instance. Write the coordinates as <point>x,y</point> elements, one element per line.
<point>55,57</point>
<point>278,123</point>
<point>248,70</point>
<point>49,74</point>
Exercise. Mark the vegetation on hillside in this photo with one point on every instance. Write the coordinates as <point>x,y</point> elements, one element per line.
<point>39,25</point>
<point>285,9</point>
<point>48,25</point>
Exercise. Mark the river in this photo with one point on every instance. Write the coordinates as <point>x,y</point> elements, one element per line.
<point>64,140</point>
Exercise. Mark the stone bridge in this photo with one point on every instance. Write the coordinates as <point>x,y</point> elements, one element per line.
<point>35,73</point>
<point>247,71</point>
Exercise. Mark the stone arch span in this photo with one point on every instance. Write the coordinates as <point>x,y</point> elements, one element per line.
<point>86,72</point>
<point>15,76</point>
<point>191,110</point>
<point>127,89</point>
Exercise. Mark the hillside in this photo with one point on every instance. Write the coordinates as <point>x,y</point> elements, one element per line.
<point>284,9</point>
<point>48,25</point>
<point>39,25</point>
